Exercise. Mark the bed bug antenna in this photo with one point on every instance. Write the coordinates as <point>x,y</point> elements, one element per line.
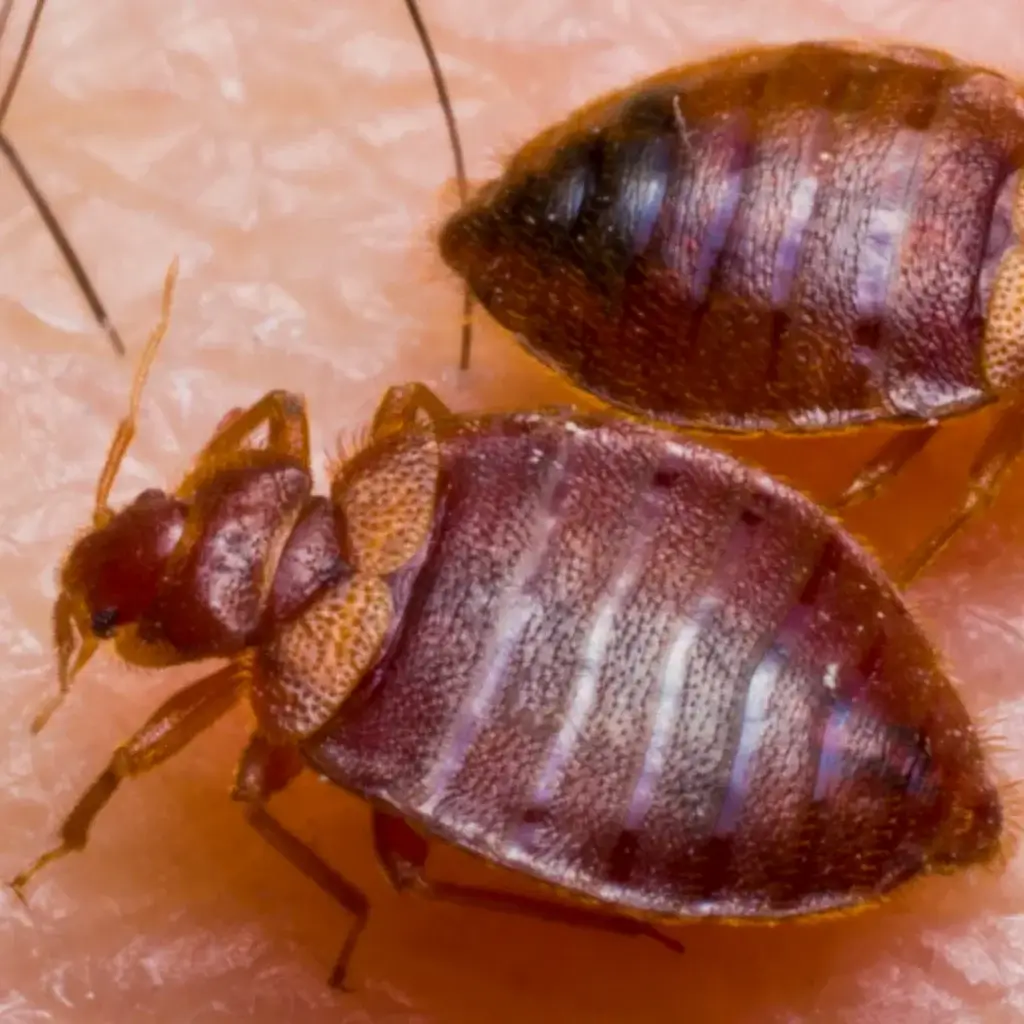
<point>40,202</point>
<point>460,163</point>
<point>74,644</point>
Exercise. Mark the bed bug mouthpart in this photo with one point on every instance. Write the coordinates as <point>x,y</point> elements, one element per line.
<point>659,683</point>
<point>796,239</point>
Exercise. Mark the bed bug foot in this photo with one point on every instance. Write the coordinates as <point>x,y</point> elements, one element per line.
<point>884,465</point>
<point>178,720</point>
<point>402,853</point>
<point>995,459</point>
<point>317,870</point>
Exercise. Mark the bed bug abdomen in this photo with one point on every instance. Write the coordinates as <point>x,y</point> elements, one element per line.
<point>795,238</point>
<point>635,669</point>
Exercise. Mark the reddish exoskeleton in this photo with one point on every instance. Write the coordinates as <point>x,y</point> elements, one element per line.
<point>795,239</point>
<point>583,648</point>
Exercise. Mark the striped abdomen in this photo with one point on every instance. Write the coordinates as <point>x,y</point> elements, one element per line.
<point>795,239</point>
<point>633,668</point>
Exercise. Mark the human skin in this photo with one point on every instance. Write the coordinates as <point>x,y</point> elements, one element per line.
<point>293,157</point>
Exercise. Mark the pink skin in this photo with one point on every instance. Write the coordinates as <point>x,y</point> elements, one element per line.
<point>293,156</point>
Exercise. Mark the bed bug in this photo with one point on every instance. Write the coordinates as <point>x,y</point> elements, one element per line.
<point>798,239</point>
<point>584,648</point>
<point>14,160</point>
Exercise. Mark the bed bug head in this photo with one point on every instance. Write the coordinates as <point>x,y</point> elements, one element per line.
<point>111,574</point>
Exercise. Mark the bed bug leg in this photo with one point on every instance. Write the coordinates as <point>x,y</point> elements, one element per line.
<point>401,850</point>
<point>283,413</point>
<point>884,465</point>
<point>406,406</point>
<point>995,459</point>
<point>177,721</point>
<point>403,853</point>
<point>266,768</point>
<point>317,870</point>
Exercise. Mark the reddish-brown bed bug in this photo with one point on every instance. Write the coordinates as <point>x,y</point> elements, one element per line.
<point>584,648</point>
<point>800,239</point>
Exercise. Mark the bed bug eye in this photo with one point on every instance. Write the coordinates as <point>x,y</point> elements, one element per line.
<point>104,622</point>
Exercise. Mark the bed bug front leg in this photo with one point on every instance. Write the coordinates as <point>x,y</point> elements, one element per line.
<point>283,413</point>
<point>402,853</point>
<point>267,768</point>
<point>174,724</point>
<point>405,406</point>
<point>995,459</point>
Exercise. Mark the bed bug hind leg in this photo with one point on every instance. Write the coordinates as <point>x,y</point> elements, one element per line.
<point>317,870</point>
<point>884,465</point>
<point>174,724</point>
<point>997,456</point>
<point>402,853</point>
<point>267,768</point>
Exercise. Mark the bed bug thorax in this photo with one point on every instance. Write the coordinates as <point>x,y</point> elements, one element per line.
<point>243,544</point>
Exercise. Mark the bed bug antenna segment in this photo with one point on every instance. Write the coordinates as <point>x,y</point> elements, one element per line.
<point>804,239</point>
<point>581,648</point>
<point>444,99</point>
<point>71,634</point>
<point>39,201</point>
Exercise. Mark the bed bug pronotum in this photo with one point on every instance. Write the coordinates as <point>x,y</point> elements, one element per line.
<point>584,648</point>
<point>805,238</point>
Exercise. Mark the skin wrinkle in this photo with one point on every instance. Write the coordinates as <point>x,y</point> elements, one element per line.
<point>293,156</point>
